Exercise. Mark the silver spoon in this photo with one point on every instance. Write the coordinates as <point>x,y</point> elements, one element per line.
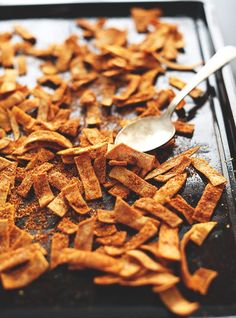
<point>152,132</point>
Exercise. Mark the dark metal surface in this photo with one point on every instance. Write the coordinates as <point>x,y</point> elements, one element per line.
<point>72,294</point>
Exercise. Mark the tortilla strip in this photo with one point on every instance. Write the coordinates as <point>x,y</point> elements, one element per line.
<point>169,189</point>
<point>14,125</point>
<point>146,261</point>
<point>19,238</point>
<point>75,199</point>
<point>29,104</point>
<point>8,212</point>
<point>127,215</point>
<point>23,276</point>
<point>151,279</point>
<point>43,110</point>
<point>178,83</point>
<point>116,239</point>
<point>13,99</point>
<point>207,203</point>
<point>104,216</point>
<point>203,278</point>
<point>5,182</point>
<point>168,243</point>
<point>181,206</point>
<point>137,98</point>
<point>200,232</point>
<point>211,174</point>
<point>21,65</point>
<point>7,56</point>
<point>94,136</point>
<point>122,152</point>
<point>84,235</point>
<point>122,163</point>
<point>143,17</point>
<point>42,189</point>
<point>66,226</point>
<point>22,118</point>
<point>174,66</point>
<point>59,242</point>
<point>175,302</point>
<point>4,236</point>
<point>99,166</point>
<point>130,88</point>
<point>58,180</point>
<point>169,164</point>
<point>159,211</point>
<point>132,181</point>
<point>22,32</point>
<point>93,260</point>
<point>88,177</point>
<point>119,190</point>
<point>26,184</point>
<point>184,128</point>
<point>59,205</point>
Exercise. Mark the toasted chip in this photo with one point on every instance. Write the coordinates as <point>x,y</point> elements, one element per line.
<point>5,182</point>
<point>25,34</point>
<point>133,82</point>
<point>123,152</point>
<point>42,189</point>
<point>59,242</point>
<point>59,205</point>
<point>158,210</point>
<point>181,206</point>
<point>184,128</point>
<point>169,189</point>
<point>19,238</point>
<point>137,97</point>
<point>13,99</point>
<point>203,278</point>
<point>22,118</point>
<point>173,162</point>
<point>7,55</point>
<point>121,163</point>
<point>152,279</point>
<point>178,83</point>
<point>132,181</point>
<point>106,280</point>
<point>214,176</point>
<point>88,177</point>
<point>4,236</point>
<point>66,226</point>
<point>21,64</point>
<point>168,243</point>
<point>8,212</point>
<point>200,232</point>
<point>119,190</point>
<point>75,199</point>
<point>143,17</point>
<point>104,216</point>
<point>84,235</point>
<point>14,125</point>
<point>175,66</point>
<point>146,261</point>
<point>94,136</point>
<point>116,239</point>
<point>175,302</point>
<point>102,229</point>
<point>58,180</point>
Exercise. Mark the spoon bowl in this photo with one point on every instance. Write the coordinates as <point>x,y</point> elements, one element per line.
<point>149,133</point>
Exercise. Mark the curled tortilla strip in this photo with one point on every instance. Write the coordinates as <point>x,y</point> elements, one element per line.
<point>208,202</point>
<point>19,238</point>
<point>116,239</point>
<point>106,280</point>
<point>210,173</point>
<point>84,235</point>
<point>169,189</point>
<point>180,205</point>
<point>122,152</point>
<point>133,181</point>
<point>122,163</point>
<point>151,279</point>
<point>146,261</point>
<point>158,210</point>
<point>178,83</point>
<point>168,243</point>
<point>102,229</point>
<point>59,242</point>
<point>74,198</point>
<point>88,177</point>
<point>42,189</point>
<point>52,138</point>
<point>66,226</point>
<point>4,236</point>
<point>171,163</point>
<point>175,302</point>
<point>25,120</point>
<point>23,276</point>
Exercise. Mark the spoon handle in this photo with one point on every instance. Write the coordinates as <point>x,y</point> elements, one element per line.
<point>223,56</point>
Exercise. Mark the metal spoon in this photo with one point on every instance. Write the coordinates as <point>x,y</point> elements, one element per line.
<point>152,132</point>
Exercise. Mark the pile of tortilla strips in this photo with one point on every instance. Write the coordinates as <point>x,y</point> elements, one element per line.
<point>58,158</point>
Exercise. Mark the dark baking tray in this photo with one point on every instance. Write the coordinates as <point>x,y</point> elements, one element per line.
<point>72,294</point>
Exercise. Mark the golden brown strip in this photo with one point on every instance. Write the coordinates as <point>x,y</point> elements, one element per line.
<point>84,235</point>
<point>24,33</point>
<point>181,206</point>
<point>4,236</point>
<point>42,189</point>
<point>59,242</point>
<point>21,65</point>
<point>119,190</point>
<point>104,216</point>
<point>132,181</point>
<point>59,205</point>
<point>66,226</point>
<point>184,128</point>
<point>212,175</point>
<point>116,239</point>
<point>168,243</point>
<point>178,83</point>
<point>75,199</point>
<point>5,182</point>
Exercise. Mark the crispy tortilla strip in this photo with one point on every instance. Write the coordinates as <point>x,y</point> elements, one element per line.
<point>84,235</point>
<point>159,211</point>
<point>99,166</point>
<point>180,205</point>
<point>151,279</point>
<point>146,261</point>
<point>5,183</point>
<point>66,226</point>
<point>48,68</point>
<point>75,199</point>
<point>42,189</point>
<point>51,138</point>
<point>25,120</point>
<point>7,56</point>
<point>184,128</point>
<point>127,215</point>
<point>14,125</point>
<point>23,276</point>
<point>88,177</point>
<point>26,184</point>
<point>178,83</point>
<point>144,17</point>
<point>122,152</point>
<point>19,238</point>
<point>4,142</point>
<point>8,212</point>
<point>122,163</point>
<point>55,80</point>
<point>8,170</point>
<point>132,181</point>
<point>148,78</point>
<point>104,216</point>
<point>131,87</point>
<point>93,260</point>
<point>175,302</point>
<point>43,110</point>
<point>108,90</point>
<point>58,180</point>
<point>59,242</point>
<point>207,203</point>
<point>59,205</point>
<point>43,155</point>
<point>4,119</point>
<point>200,232</point>
<point>211,174</point>
<point>116,239</point>
<point>13,99</point>
<point>175,66</point>
<point>169,164</point>
<point>106,280</point>
<point>29,104</point>
<point>102,229</point>
<point>137,98</point>
<point>21,65</point>
<point>24,34</point>
<point>110,36</point>
<point>4,236</point>
<point>168,243</point>
<point>203,278</point>
<point>169,189</point>
<point>119,190</point>
<point>94,136</point>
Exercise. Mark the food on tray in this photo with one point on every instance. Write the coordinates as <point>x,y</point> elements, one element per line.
<point>59,162</point>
